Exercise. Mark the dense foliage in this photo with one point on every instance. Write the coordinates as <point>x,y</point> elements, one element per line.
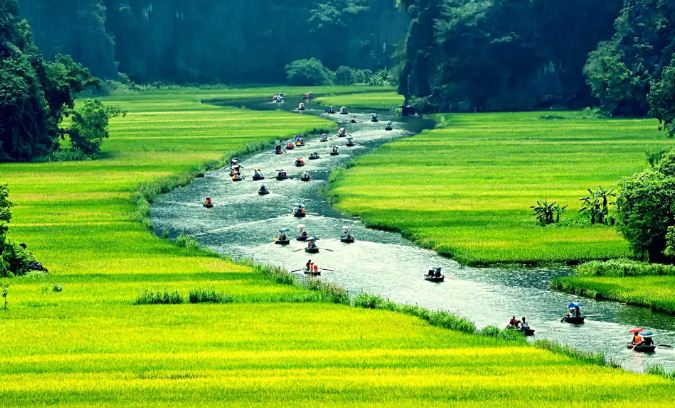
<point>206,41</point>
<point>646,209</point>
<point>308,72</point>
<point>14,259</point>
<point>34,94</point>
<point>622,69</point>
<point>501,54</point>
<point>662,99</point>
<point>90,125</point>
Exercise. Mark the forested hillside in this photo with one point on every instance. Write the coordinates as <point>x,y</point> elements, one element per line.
<point>216,40</point>
<point>502,54</point>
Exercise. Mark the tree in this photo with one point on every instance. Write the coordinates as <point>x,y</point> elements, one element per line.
<point>344,75</point>
<point>646,208</point>
<point>596,206</point>
<point>548,213</point>
<point>90,125</point>
<point>33,94</point>
<point>662,99</point>
<point>620,72</point>
<point>308,72</point>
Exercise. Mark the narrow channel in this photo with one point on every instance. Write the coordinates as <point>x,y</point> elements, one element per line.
<point>242,224</point>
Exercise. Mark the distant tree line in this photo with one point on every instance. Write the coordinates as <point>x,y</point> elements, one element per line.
<point>211,41</point>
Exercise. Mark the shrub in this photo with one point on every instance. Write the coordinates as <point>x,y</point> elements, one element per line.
<point>164,297</point>
<point>344,75</point>
<point>308,72</point>
<point>328,292</point>
<point>508,335</point>
<point>90,125</point>
<point>208,296</point>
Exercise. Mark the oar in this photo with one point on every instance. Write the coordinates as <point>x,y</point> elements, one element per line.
<point>326,269</point>
<point>297,270</point>
<point>665,345</point>
<point>298,250</point>
<point>329,250</point>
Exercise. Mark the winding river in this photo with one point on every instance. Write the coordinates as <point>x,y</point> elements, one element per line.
<point>242,224</point>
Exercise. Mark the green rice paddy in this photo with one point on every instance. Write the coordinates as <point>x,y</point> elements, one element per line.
<point>465,189</point>
<point>88,345</point>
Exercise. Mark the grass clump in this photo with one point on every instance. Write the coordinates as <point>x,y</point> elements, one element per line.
<point>159,297</point>
<point>445,320</point>
<point>208,296</point>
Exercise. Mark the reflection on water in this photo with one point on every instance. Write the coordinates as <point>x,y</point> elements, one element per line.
<point>242,225</point>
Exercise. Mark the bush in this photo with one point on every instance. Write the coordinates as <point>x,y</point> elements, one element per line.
<point>308,72</point>
<point>328,292</point>
<point>90,125</point>
<point>159,298</point>
<point>208,296</point>
<point>344,75</point>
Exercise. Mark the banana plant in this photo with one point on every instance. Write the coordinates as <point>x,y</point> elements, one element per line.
<point>548,213</point>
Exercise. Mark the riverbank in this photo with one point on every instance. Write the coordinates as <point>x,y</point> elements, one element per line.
<point>631,282</point>
<point>465,188</point>
<point>89,345</point>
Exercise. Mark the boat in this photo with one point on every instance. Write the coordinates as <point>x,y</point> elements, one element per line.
<point>263,191</point>
<point>346,236</point>
<point>342,132</point>
<point>314,156</point>
<point>282,237</point>
<point>282,175</point>
<point>528,332</point>
<point>311,273</point>
<point>330,110</point>
<point>324,138</point>
<point>389,126</point>
<point>278,150</point>
<point>353,120</point>
<point>343,111</point>
<point>374,118</point>
<point>299,211</point>
<point>299,162</point>
<point>299,142</point>
<point>305,177</point>
<point>290,146</point>
<point>302,236</point>
<point>334,151</point>
<point>574,319</point>
<point>642,348</point>
<point>237,177</point>
<point>435,275</point>
<point>311,247</point>
<point>257,175</point>
<point>350,142</point>
<point>301,106</point>
<point>645,345</point>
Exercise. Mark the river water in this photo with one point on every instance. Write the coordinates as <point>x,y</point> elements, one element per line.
<point>242,225</point>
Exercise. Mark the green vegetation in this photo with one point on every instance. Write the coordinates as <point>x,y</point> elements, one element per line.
<point>623,280</point>
<point>465,189</point>
<point>308,72</point>
<point>90,345</point>
<point>370,100</point>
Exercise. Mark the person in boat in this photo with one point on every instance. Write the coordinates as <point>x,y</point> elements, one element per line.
<point>637,339</point>
<point>437,272</point>
<point>514,323</point>
<point>309,265</point>
<point>304,235</point>
<point>263,190</point>
<point>315,268</point>
<point>647,341</point>
<point>278,149</point>
<point>305,176</point>
<point>301,106</point>
<point>353,120</point>
<point>208,203</point>
<point>330,110</point>
<point>343,111</point>
<point>314,156</point>
<point>335,151</point>
<point>389,126</point>
<point>374,118</point>
<point>311,245</point>
<point>324,137</point>
<point>342,132</point>
<point>524,326</point>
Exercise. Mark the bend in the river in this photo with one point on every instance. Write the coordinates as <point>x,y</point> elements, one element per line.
<point>242,224</point>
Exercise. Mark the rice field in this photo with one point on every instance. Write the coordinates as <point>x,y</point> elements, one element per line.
<point>75,338</point>
<point>465,189</point>
<point>378,100</point>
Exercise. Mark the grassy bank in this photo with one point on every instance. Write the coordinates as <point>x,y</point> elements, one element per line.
<point>75,337</point>
<point>382,100</point>
<point>626,281</point>
<point>465,188</point>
